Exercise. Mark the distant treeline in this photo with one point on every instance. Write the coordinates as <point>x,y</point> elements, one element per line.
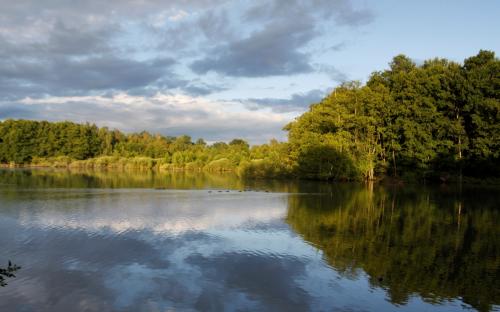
<point>68,144</point>
<point>61,144</point>
<point>437,120</point>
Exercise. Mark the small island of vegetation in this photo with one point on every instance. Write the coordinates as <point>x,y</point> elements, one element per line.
<point>438,120</point>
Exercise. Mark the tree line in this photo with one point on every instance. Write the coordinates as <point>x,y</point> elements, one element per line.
<point>67,143</point>
<point>435,120</point>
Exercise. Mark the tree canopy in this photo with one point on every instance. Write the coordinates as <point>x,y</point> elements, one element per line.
<point>423,121</point>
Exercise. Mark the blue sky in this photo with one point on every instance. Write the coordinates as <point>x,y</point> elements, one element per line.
<point>215,69</point>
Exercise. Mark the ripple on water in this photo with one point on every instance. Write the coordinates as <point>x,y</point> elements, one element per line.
<point>114,249</point>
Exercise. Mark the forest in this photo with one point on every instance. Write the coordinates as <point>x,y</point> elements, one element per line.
<point>437,120</point>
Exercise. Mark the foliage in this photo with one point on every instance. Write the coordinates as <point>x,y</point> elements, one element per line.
<point>8,273</point>
<point>427,121</point>
<point>437,120</point>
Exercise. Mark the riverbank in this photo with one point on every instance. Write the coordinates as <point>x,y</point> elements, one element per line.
<point>256,169</point>
<point>253,169</point>
<point>112,162</point>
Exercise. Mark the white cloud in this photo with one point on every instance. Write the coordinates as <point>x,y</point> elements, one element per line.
<point>166,113</point>
<point>179,15</point>
<point>159,20</point>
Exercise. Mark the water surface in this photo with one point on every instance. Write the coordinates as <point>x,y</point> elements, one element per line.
<point>112,241</point>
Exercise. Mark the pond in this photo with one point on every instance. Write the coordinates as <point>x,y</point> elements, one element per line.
<point>145,241</point>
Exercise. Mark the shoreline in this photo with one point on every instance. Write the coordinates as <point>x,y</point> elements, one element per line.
<point>385,180</point>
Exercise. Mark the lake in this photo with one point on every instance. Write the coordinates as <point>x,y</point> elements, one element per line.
<point>144,241</point>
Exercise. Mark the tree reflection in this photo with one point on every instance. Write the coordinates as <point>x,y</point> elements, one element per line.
<point>438,246</point>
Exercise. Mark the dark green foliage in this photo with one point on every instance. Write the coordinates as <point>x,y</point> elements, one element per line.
<point>324,162</point>
<point>430,243</point>
<point>24,140</point>
<point>8,273</point>
<point>436,120</point>
<point>69,144</point>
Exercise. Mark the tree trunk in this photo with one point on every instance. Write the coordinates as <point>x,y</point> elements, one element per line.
<point>394,163</point>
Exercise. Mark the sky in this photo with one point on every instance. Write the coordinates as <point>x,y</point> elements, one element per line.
<point>215,69</point>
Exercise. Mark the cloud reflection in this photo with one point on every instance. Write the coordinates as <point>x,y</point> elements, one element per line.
<point>166,212</point>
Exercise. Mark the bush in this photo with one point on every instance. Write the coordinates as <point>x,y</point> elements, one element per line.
<point>220,165</point>
<point>263,168</point>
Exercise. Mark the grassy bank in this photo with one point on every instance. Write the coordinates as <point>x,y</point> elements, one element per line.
<point>250,169</point>
<point>259,168</point>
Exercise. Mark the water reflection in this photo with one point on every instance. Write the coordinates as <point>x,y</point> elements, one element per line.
<point>112,242</point>
<point>8,272</point>
<point>15,179</point>
<point>437,245</point>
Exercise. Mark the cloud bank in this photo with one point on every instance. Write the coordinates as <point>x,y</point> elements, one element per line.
<point>172,114</point>
<point>89,60</point>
